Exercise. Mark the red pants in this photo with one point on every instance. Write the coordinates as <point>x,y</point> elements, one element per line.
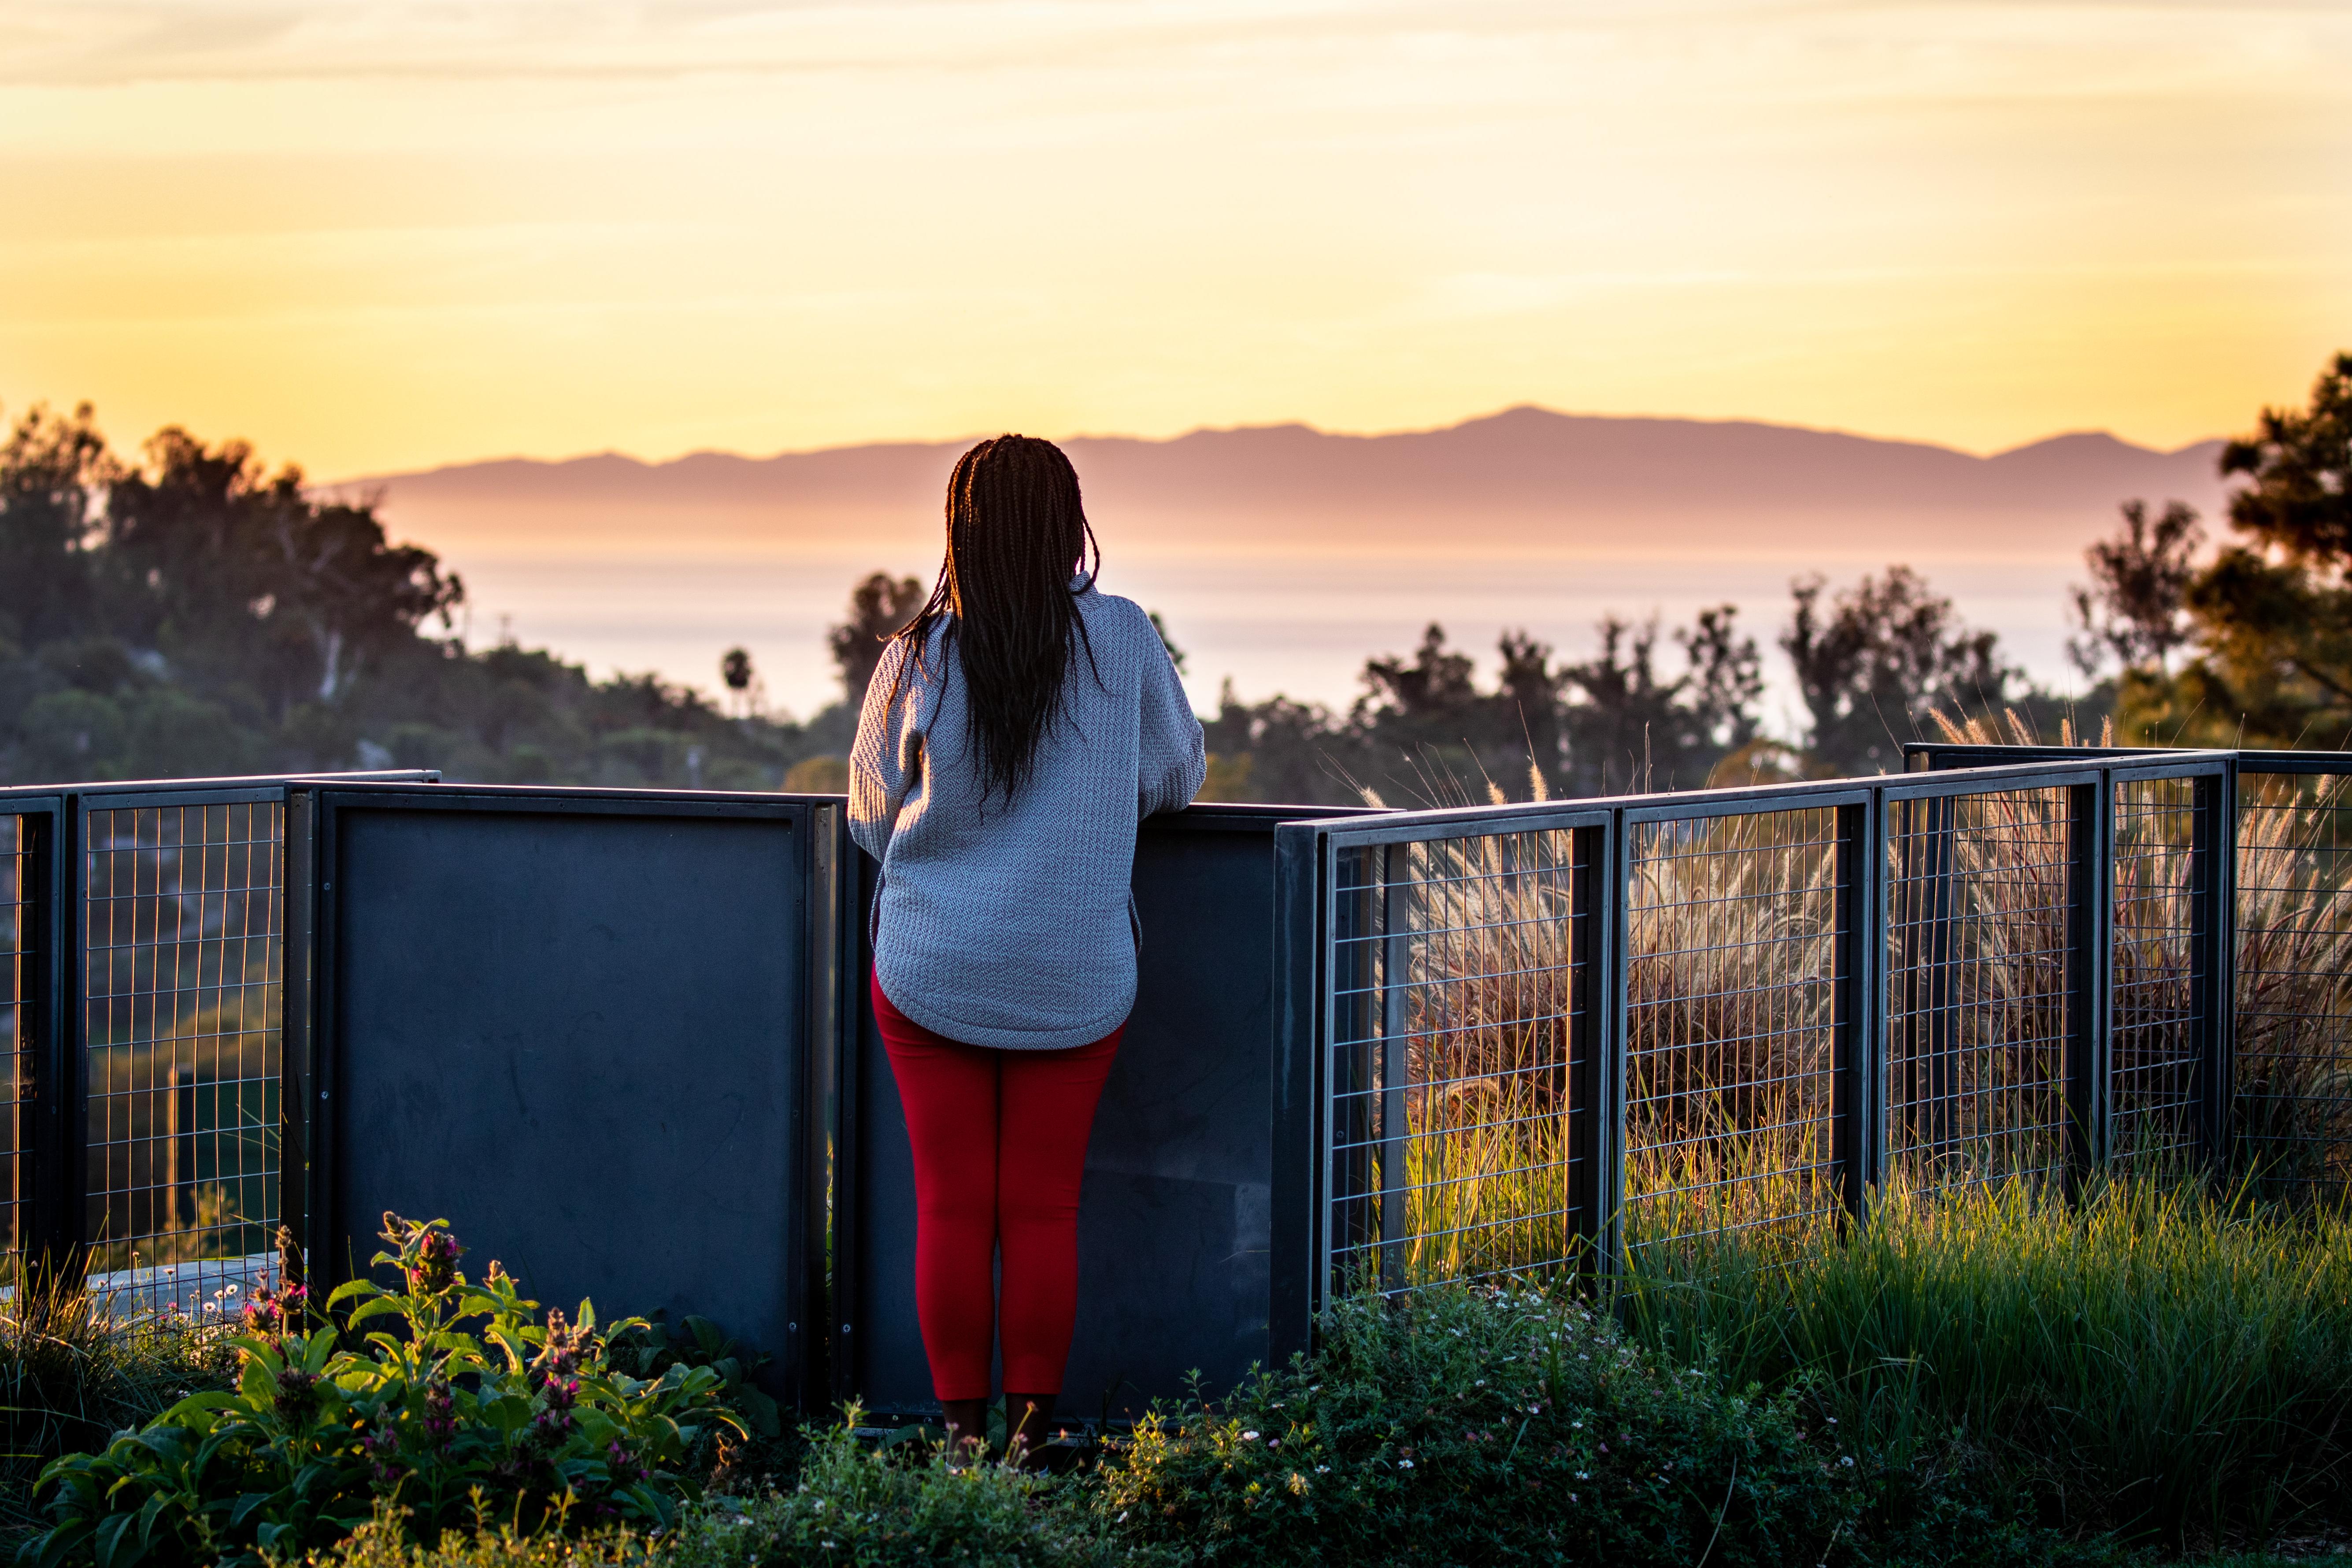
<point>1000,1140</point>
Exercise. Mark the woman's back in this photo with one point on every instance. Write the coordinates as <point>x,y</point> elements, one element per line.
<point>1007,922</point>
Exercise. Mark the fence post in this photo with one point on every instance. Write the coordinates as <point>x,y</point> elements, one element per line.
<point>1295,1282</point>
<point>1590,909</point>
<point>2089,941</point>
<point>47,1239</point>
<point>1858,1023</point>
<point>1611,939</point>
<point>306,881</point>
<point>2213,955</point>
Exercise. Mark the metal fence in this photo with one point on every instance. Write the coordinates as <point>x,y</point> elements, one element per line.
<point>1544,1036</point>
<point>1382,1048</point>
<point>181,1003</point>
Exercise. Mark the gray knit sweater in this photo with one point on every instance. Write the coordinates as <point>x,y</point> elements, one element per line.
<point>1014,927</point>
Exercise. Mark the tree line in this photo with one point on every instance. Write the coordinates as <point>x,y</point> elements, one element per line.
<point>190,613</point>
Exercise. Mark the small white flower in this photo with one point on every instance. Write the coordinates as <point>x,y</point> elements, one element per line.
<point>1481,1383</point>
<point>1846,1459</point>
<point>1584,1358</point>
<point>1404,1463</point>
<point>1122,1516</point>
<point>1249,1437</point>
<point>1581,1476</point>
<point>1322,1470</point>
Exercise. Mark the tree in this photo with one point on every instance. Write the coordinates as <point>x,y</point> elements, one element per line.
<point>880,607</point>
<point>241,574</point>
<point>2134,613</point>
<point>54,476</point>
<point>2272,612</point>
<point>735,669</point>
<point>1882,654</point>
<point>1630,728</point>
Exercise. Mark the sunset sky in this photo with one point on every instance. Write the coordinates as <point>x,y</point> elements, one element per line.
<point>375,235</point>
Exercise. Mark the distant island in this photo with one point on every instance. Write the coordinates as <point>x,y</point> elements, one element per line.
<point>1524,481</point>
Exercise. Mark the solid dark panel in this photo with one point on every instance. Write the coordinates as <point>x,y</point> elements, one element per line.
<point>1175,1226</point>
<point>577,1034</point>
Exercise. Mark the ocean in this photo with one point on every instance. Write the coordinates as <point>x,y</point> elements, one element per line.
<point>1298,625</point>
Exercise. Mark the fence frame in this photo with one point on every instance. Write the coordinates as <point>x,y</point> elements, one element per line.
<point>56,1126</point>
<point>1318,984</point>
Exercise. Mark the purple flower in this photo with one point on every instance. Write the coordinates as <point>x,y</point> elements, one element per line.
<point>440,1415</point>
<point>436,1268</point>
<point>296,1393</point>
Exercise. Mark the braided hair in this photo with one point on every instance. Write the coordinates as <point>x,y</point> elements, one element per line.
<point>1016,532</point>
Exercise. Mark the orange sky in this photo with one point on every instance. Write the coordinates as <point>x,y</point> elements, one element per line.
<point>373,236</point>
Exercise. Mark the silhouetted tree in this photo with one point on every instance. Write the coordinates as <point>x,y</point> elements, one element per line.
<point>2271,614</point>
<point>1629,727</point>
<point>2135,611</point>
<point>879,607</point>
<point>1884,653</point>
<point>54,475</point>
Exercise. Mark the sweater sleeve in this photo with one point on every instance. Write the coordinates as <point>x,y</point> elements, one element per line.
<point>886,757</point>
<point>1172,759</point>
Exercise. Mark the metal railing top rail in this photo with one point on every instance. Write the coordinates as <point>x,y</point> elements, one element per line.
<point>224,782</point>
<point>1949,755</point>
<point>2048,768</point>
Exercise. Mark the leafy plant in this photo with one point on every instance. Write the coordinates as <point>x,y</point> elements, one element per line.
<point>649,1348</point>
<point>1488,1426</point>
<point>906,1504</point>
<point>444,1397</point>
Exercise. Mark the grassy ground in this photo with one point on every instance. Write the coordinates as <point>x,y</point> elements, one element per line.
<point>72,1374</point>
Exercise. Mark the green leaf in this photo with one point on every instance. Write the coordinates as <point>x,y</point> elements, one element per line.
<point>761,1409</point>
<point>186,1411</point>
<point>377,1306</point>
<point>351,1287</point>
<point>317,1353</point>
<point>509,1412</point>
<point>64,1540</point>
<point>587,1315</point>
<point>112,1552</point>
<point>243,1508</point>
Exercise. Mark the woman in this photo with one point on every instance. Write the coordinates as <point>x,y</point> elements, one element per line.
<point>1014,733</point>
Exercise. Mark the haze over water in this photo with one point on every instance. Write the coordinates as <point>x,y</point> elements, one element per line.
<point>1300,625</point>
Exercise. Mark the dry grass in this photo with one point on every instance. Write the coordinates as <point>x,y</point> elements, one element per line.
<point>1731,926</point>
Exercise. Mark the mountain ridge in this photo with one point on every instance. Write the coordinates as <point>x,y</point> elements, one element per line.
<point>1525,478</point>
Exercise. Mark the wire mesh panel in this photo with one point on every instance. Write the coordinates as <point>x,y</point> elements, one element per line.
<point>1980,909</point>
<point>1731,932</point>
<point>2293,1052</point>
<point>1460,1006</point>
<point>18,942</point>
<point>182,958</point>
<point>2153,1050</point>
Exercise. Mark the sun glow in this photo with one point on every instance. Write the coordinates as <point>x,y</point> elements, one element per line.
<point>377,235</point>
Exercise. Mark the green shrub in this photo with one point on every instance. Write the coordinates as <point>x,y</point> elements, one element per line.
<point>908,1504</point>
<point>445,1398</point>
<point>1463,1427</point>
<point>385,1542</point>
